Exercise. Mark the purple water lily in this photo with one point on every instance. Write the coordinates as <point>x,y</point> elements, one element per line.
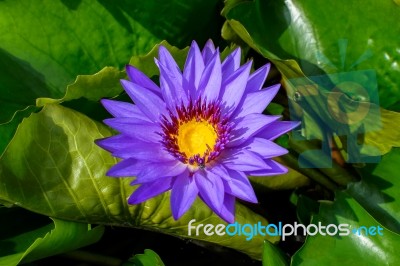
<point>200,133</point>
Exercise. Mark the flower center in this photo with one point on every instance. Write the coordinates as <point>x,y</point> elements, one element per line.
<point>196,137</point>
<point>196,134</point>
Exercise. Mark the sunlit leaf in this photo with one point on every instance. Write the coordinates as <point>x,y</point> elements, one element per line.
<point>53,167</point>
<point>92,87</point>
<point>388,136</point>
<point>292,179</point>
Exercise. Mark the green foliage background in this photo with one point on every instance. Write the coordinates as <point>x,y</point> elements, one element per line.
<point>59,58</point>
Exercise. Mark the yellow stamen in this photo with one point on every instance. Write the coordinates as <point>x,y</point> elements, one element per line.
<point>196,137</point>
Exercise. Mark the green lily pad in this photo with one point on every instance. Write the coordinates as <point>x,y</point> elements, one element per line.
<point>25,239</point>
<point>45,45</point>
<point>8,129</point>
<point>298,31</point>
<point>291,180</point>
<point>53,167</point>
<point>273,256</point>
<point>361,245</point>
<point>378,191</point>
<point>148,258</point>
<point>275,37</point>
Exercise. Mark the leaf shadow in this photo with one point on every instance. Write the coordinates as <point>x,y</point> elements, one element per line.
<point>20,85</point>
<point>157,18</point>
<point>369,192</point>
<point>117,9</point>
<point>71,4</point>
<point>14,223</point>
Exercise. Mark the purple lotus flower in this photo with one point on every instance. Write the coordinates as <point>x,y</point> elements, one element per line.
<point>200,133</point>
